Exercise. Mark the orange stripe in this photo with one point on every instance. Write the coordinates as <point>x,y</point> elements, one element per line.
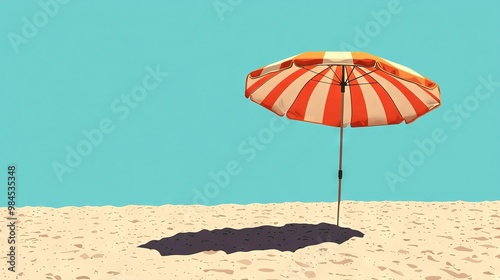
<point>359,112</point>
<point>429,83</point>
<point>298,109</point>
<point>332,106</point>
<point>416,103</point>
<point>276,92</point>
<point>391,111</point>
<point>259,83</point>
<point>364,59</point>
<point>338,74</point>
<point>256,73</point>
<point>286,64</point>
<point>309,58</point>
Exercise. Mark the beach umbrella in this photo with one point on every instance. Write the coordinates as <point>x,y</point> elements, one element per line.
<point>342,88</point>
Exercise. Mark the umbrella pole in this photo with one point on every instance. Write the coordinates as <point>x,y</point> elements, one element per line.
<point>343,83</point>
<point>340,175</point>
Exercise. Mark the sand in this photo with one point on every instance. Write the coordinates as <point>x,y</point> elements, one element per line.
<point>376,240</point>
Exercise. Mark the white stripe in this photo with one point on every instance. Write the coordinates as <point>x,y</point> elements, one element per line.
<point>342,58</point>
<point>404,68</point>
<point>315,108</point>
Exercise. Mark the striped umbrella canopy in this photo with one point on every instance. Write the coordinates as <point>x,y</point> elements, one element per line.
<point>334,88</point>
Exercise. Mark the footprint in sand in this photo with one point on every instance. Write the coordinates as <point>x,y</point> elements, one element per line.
<point>348,255</point>
<point>431,259</point>
<point>454,274</point>
<point>310,274</point>
<point>245,262</point>
<point>471,260</point>
<point>226,271</point>
<point>301,264</point>
<point>397,272</point>
<point>342,261</point>
<point>447,237</point>
<point>479,238</point>
<point>84,256</point>
<point>464,249</point>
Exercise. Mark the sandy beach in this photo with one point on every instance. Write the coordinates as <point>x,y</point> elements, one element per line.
<point>376,240</point>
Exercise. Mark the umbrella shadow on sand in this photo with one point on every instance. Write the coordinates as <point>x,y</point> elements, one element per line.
<point>289,237</point>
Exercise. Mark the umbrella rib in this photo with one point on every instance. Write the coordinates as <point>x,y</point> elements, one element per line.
<point>318,73</point>
<point>323,82</point>
<point>365,83</point>
<point>335,73</point>
<point>362,75</point>
<point>352,70</point>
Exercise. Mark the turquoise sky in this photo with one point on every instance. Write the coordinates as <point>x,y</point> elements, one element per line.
<point>142,102</point>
